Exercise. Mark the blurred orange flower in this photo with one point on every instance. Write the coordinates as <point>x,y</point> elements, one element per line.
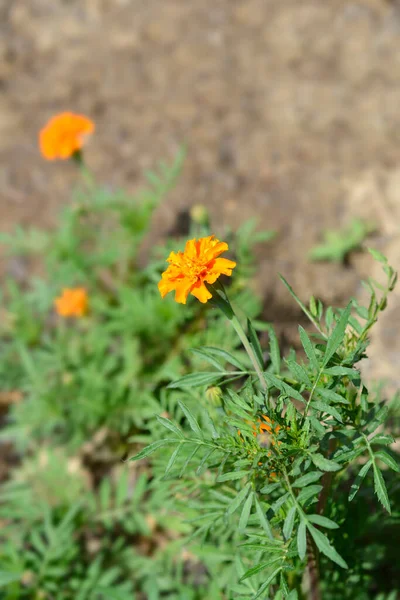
<point>73,302</point>
<point>191,269</point>
<point>64,135</point>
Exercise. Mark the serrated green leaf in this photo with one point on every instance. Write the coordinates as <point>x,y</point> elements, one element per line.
<point>325,547</point>
<point>380,488</point>
<point>191,419</point>
<point>169,425</point>
<point>204,355</point>
<point>240,497</point>
<point>299,372</point>
<point>283,387</point>
<point>308,348</point>
<point>326,394</point>
<point>326,408</point>
<point>210,424</point>
<point>289,522</point>
<point>226,356</point>
<point>336,338</point>
<point>267,583</point>
<point>232,476</point>
<point>172,459</point>
<point>342,372</point>
<point>307,479</point>
<point>262,518</point>
<point>279,502</point>
<point>274,351</point>
<point>324,464</point>
<point>382,439</point>
<point>322,521</point>
<point>259,567</point>
<point>359,479</point>
<point>153,447</point>
<point>302,540</point>
<point>388,460</point>
<point>196,380</point>
<point>244,517</point>
<point>308,492</point>
<point>378,418</point>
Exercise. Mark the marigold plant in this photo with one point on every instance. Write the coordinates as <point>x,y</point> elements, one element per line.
<point>73,302</point>
<point>273,467</point>
<point>64,135</point>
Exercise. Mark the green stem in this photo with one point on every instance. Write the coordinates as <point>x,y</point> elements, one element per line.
<point>222,302</point>
<point>247,346</point>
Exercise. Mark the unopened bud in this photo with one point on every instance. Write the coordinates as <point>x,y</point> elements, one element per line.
<point>213,395</point>
<point>199,214</point>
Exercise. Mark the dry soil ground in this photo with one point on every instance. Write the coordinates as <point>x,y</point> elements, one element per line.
<point>289,108</point>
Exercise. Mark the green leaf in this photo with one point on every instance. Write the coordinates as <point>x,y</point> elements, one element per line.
<point>7,578</point>
<point>380,488</point>
<point>308,492</point>
<point>232,476</point>
<point>359,479</point>
<point>169,425</point>
<point>326,408</point>
<point>323,463</point>
<point>325,547</point>
<point>293,595</point>
<point>203,354</point>
<point>283,387</point>
<point>326,394</point>
<point>209,423</point>
<point>378,418</point>
<point>196,380</point>
<point>342,372</point>
<point>289,522</point>
<point>383,439</point>
<point>274,351</point>
<point>226,356</point>
<point>191,420</point>
<point>336,338</point>
<point>299,372</point>
<point>378,256</point>
<point>260,567</point>
<point>172,459</point>
<point>267,583</point>
<point>239,498</point>
<point>307,479</point>
<point>244,517</point>
<point>253,339</point>
<point>308,348</point>
<point>322,521</point>
<point>388,460</point>
<point>153,447</point>
<point>263,519</point>
<point>302,540</point>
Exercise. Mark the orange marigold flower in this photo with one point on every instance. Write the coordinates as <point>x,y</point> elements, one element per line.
<point>191,269</point>
<point>64,135</point>
<point>73,302</point>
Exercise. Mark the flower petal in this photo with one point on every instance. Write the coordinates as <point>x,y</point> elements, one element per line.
<point>200,292</point>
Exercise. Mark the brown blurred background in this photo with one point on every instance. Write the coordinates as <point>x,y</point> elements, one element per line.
<point>290,110</point>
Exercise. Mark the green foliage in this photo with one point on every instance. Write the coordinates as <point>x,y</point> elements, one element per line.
<point>337,245</point>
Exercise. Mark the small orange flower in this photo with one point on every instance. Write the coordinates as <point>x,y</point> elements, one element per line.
<point>190,270</point>
<point>73,302</point>
<point>64,135</point>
